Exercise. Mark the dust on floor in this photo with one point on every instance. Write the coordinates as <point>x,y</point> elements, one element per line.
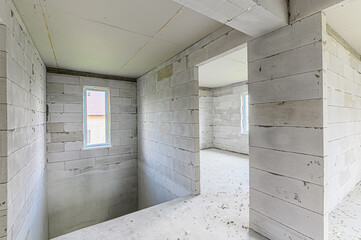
<point>345,220</point>
<point>220,212</point>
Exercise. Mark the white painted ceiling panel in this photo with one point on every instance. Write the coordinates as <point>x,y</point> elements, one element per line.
<point>91,47</point>
<point>155,53</point>
<point>225,70</point>
<point>141,16</point>
<point>124,38</point>
<point>186,27</point>
<point>345,19</point>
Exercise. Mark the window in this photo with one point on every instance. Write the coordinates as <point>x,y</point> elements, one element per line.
<point>96,117</point>
<point>244,113</point>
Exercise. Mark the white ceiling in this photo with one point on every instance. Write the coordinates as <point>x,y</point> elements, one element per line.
<point>116,37</point>
<point>225,70</point>
<point>345,19</point>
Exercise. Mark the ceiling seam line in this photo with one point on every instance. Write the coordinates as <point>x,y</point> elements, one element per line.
<point>49,36</point>
<point>153,37</point>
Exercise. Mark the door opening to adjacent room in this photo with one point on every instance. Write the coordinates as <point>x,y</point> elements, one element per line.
<point>224,147</point>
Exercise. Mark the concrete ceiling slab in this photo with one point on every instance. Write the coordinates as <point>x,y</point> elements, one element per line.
<point>345,19</point>
<point>252,17</point>
<point>124,38</point>
<point>225,70</point>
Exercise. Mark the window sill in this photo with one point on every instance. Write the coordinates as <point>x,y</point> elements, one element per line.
<point>96,147</point>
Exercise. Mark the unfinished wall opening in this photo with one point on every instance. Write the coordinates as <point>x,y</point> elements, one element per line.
<point>223,133</point>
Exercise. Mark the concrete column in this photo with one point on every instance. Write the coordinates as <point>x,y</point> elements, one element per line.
<point>287,131</point>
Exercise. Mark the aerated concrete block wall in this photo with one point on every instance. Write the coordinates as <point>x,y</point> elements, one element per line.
<point>205,118</point>
<point>168,120</point>
<point>220,118</point>
<point>168,134</point>
<point>227,134</point>
<point>23,201</point>
<point>344,119</point>
<point>89,186</point>
<point>3,134</point>
<point>288,131</point>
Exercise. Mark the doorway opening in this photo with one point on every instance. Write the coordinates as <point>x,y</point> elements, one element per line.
<point>224,144</point>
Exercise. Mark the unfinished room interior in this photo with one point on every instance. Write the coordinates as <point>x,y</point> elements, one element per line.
<point>180,119</point>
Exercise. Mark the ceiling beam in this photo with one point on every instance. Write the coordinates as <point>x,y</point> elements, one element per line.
<point>253,17</point>
<point>303,8</point>
<point>88,74</point>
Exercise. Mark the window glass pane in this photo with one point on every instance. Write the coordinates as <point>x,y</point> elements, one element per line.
<point>96,118</point>
<point>244,113</point>
<point>246,116</point>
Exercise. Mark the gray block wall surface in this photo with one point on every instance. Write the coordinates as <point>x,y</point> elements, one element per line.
<point>89,186</point>
<point>344,120</point>
<point>168,120</point>
<point>288,131</point>
<point>220,118</point>
<point>227,134</point>
<point>23,204</point>
<point>205,118</point>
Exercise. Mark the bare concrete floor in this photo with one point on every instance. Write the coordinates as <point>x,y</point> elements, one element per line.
<point>345,220</point>
<point>220,212</point>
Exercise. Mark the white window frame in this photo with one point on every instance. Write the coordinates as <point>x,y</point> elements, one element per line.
<point>107,117</point>
<point>244,113</point>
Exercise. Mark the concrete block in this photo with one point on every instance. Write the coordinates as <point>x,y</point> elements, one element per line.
<point>65,98</point>
<point>179,65</point>
<point>73,108</point>
<point>71,89</point>
<point>187,89</point>
<point>3,196</point>
<point>80,164</point>
<point>305,59</point>
<point>3,38</point>
<point>55,108</point>
<point>108,159</point>
<point>73,146</point>
<point>3,143</point>
<point>121,101</point>
<point>293,191</point>
<point>66,117</point>
<point>3,223</point>
<point>92,153</point>
<point>185,103</point>
<point>299,34</point>
<point>306,113</point>
<point>189,144</point>
<point>165,72</point>
<point>87,81</point>
<point>271,228</point>
<point>186,116</point>
<point>122,150</point>
<point>288,164</point>
<point>63,156</point>
<point>3,59</point>
<point>55,88</point>
<point>297,140</point>
<point>64,79</point>
<point>3,169</point>
<point>288,214</point>
<point>56,166</point>
<point>221,45</point>
<point>298,87</point>
<point>73,127</point>
<point>66,137</point>
<point>55,147</point>
<point>186,130</point>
